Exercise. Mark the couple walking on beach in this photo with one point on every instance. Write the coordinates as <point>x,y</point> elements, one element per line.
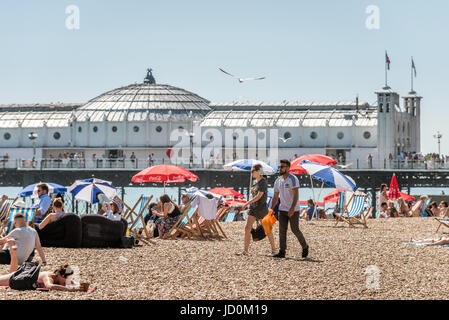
<point>286,189</point>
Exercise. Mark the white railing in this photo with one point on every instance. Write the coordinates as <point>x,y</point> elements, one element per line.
<point>139,164</point>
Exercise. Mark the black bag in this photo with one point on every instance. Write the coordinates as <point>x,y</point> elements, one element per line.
<point>127,241</point>
<point>258,233</point>
<point>25,278</point>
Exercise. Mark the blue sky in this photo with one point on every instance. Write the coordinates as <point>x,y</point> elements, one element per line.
<point>308,50</point>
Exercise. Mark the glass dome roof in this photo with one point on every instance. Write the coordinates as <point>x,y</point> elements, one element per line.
<point>147,100</point>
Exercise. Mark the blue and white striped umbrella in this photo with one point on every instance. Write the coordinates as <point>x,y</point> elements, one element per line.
<point>88,189</point>
<point>330,176</point>
<point>247,164</point>
<point>31,190</point>
<point>192,190</point>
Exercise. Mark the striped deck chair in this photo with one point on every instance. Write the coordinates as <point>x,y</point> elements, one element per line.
<point>29,217</point>
<point>185,226</point>
<point>135,219</point>
<point>245,215</point>
<point>354,212</point>
<point>230,216</point>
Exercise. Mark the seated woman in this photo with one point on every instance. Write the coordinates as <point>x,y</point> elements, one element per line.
<point>166,216</point>
<point>113,210</point>
<point>443,209</point>
<point>435,209</point>
<point>392,210</point>
<point>311,211</point>
<point>49,280</point>
<point>58,213</point>
<point>404,210</point>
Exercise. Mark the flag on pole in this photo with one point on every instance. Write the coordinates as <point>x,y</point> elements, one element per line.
<point>413,67</point>
<point>387,60</point>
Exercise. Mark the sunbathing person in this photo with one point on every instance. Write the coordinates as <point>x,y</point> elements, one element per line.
<point>58,213</point>
<point>166,216</point>
<point>432,242</point>
<point>49,280</point>
<point>435,209</point>
<point>185,199</point>
<point>443,209</point>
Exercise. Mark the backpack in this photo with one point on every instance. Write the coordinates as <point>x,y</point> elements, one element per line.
<point>25,278</point>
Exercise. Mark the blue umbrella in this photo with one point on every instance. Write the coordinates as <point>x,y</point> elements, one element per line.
<point>247,165</point>
<point>53,188</point>
<point>88,189</point>
<point>328,175</point>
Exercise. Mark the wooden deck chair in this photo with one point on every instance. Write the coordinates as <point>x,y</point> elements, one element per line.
<point>212,227</point>
<point>230,216</point>
<point>136,220</point>
<point>442,222</point>
<point>184,226</point>
<point>354,212</point>
<point>9,225</point>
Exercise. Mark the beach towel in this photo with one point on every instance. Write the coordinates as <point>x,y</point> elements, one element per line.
<point>423,244</point>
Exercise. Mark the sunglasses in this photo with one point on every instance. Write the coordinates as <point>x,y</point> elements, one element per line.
<point>282,167</point>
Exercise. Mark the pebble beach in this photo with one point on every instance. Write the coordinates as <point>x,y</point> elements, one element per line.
<point>337,266</point>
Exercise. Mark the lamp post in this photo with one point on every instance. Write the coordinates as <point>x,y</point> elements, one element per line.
<point>438,136</point>
<point>33,136</point>
<point>191,135</point>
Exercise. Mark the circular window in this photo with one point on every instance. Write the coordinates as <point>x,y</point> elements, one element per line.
<point>95,129</point>
<point>209,136</point>
<point>180,128</point>
<point>287,135</point>
<point>261,135</point>
<point>7,136</point>
<point>313,135</point>
<point>114,129</point>
<point>158,128</point>
<point>80,129</point>
<point>56,135</point>
<point>340,135</point>
<point>136,129</point>
<point>235,136</point>
<point>367,135</point>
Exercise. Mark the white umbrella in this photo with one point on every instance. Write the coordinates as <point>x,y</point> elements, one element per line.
<point>87,190</point>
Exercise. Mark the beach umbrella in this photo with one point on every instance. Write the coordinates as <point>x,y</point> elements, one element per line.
<point>234,202</point>
<point>87,190</point>
<point>166,173</point>
<point>393,192</point>
<point>31,190</point>
<point>406,197</point>
<point>247,165</point>
<point>296,168</point>
<point>227,192</point>
<point>330,176</point>
<point>192,190</point>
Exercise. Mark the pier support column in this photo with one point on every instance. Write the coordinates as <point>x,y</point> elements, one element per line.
<point>373,202</point>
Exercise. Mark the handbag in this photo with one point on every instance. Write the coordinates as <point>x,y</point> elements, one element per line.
<point>258,233</point>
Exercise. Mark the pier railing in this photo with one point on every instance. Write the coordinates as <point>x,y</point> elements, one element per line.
<point>140,164</point>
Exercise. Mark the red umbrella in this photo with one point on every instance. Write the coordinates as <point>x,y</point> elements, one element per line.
<point>295,168</point>
<point>393,192</point>
<point>406,197</point>
<point>227,192</point>
<point>234,202</point>
<point>166,173</point>
<point>333,196</point>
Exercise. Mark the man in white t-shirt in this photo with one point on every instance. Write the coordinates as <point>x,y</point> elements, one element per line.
<point>286,187</point>
<point>25,239</point>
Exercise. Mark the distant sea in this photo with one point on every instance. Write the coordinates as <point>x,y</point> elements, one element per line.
<point>132,194</point>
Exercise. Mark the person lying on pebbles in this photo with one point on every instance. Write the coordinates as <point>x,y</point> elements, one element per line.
<point>47,280</point>
<point>432,242</point>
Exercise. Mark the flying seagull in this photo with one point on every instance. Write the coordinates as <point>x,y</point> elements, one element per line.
<point>285,140</point>
<point>241,79</point>
<point>344,166</point>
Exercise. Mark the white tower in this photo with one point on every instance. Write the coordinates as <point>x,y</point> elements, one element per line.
<point>387,107</point>
<point>412,105</point>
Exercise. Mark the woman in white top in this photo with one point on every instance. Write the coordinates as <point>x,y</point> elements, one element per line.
<point>383,197</point>
<point>113,210</point>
